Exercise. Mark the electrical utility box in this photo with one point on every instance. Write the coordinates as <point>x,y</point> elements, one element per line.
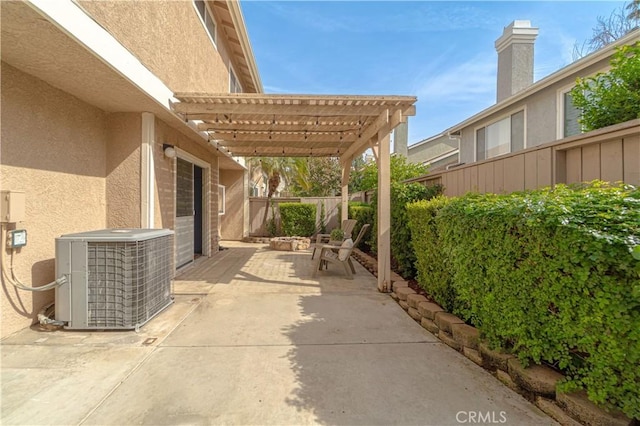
<point>12,206</point>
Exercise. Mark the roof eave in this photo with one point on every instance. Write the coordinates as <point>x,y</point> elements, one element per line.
<point>243,37</point>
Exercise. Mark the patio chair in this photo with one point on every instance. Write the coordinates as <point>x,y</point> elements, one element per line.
<point>340,254</point>
<point>322,239</point>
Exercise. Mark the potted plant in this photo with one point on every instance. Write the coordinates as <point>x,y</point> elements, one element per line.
<point>336,235</point>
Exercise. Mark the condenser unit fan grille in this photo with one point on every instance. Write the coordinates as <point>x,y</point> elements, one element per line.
<point>128,282</point>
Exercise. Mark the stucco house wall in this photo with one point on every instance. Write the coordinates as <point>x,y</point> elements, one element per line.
<point>541,103</point>
<point>232,223</point>
<point>427,150</point>
<point>75,126</point>
<point>123,170</point>
<point>54,148</point>
<point>169,38</point>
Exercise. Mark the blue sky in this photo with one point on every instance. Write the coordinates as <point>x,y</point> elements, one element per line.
<point>442,52</point>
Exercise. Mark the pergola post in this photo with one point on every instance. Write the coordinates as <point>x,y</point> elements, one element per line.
<point>384,211</point>
<point>346,171</point>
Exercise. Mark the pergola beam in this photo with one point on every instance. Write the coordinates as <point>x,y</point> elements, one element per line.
<point>277,138</point>
<point>194,109</point>
<point>284,152</point>
<point>298,126</point>
<point>384,123</point>
<point>360,144</point>
<point>294,143</point>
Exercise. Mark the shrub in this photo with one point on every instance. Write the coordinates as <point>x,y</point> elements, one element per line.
<point>402,253</point>
<point>432,267</point>
<point>363,213</point>
<point>551,276</point>
<point>323,218</point>
<point>336,234</point>
<point>613,97</point>
<point>298,219</point>
<point>272,224</point>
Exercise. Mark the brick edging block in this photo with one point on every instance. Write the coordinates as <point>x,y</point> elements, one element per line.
<point>466,335</point>
<point>445,320</point>
<point>535,378</point>
<point>414,299</point>
<point>429,310</point>
<point>403,292</point>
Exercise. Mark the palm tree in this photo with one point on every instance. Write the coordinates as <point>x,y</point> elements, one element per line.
<point>273,169</point>
<point>301,179</point>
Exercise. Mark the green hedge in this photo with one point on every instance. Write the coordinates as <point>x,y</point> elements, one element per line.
<point>432,266</point>
<point>551,276</point>
<point>402,255</point>
<point>363,213</point>
<point>298,219</point>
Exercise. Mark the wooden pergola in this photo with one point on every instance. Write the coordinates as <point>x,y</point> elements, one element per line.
<point>260,125</point>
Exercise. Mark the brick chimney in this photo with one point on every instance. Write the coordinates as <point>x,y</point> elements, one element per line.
<point>515,58</point>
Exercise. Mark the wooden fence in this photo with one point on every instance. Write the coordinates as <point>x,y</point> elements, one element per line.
<point>258,204</point>
<point>609,154</point>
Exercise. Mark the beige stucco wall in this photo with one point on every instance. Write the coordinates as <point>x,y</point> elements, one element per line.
<point>123,170</point>
<point>232,222</point>
<point>53,148</point>
<point>169,39</point>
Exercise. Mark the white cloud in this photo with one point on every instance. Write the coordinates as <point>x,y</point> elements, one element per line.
<point>304,17</point>
<point>413,16</point>
<point>470,81</point>
<point>554,50</point>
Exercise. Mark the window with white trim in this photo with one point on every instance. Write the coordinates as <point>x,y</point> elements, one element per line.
<point>570,116</point>
<point>500,137</point>
<point>207,19</point>
<point>234,84</point>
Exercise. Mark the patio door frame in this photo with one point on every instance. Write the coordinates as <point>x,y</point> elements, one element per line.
<point>206,197</point>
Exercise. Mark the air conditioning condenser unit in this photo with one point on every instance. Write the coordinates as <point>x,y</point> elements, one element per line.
<point>116,278</point>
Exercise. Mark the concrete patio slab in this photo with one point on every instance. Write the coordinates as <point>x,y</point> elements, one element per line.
<point>253,339</point>
<point>269,319</point>
<point>60,385</point>
<point>361,384</point>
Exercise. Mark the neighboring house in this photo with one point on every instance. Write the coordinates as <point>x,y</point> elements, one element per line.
<point>437,152</point>
<point>526,114</point>
<point>86,117</point>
